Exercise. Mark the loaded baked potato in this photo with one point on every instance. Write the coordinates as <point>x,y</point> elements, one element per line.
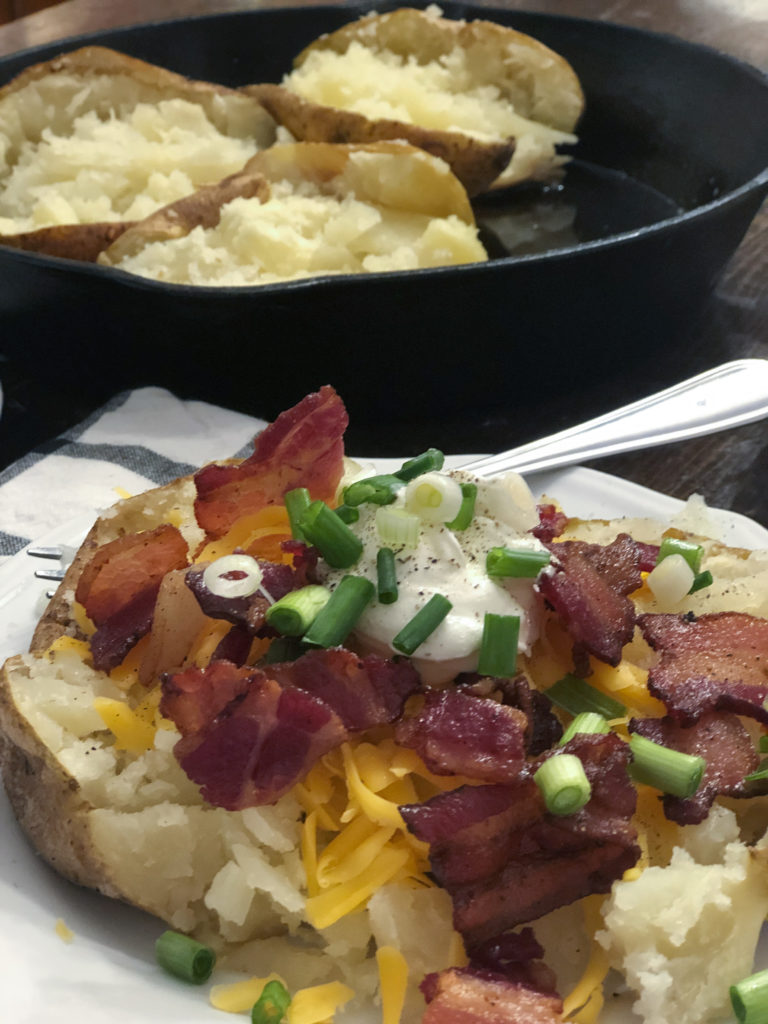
<point>494,103</point>
<point>168,743</point>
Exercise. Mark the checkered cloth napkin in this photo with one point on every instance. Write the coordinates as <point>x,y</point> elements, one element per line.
<point>137,440</point>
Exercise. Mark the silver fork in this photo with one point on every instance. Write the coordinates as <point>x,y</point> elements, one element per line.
<point>728,396</point>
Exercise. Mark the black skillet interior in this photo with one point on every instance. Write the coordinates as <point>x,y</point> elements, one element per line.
<point>670,160</point>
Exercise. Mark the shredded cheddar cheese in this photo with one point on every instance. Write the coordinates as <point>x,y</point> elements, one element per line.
<point>240,996</point>
<point>585,1001</point>
<point>131,728</point>
<point>65,934</point>
<point>248,532</point>
<point>318,1004</point>
<point>71,646</point>
<point>393,980</point>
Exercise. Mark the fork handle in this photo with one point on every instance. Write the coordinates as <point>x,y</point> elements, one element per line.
<point>727,396</point>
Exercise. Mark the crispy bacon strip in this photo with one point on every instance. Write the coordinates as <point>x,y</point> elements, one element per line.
<point>125,567</point>
<point>723,742</point>
<point>248,735</point>
<point>717,662</point>
<point>457,734</point>
<point>551,523</point>
<point>363,691</point>
<point>303,447</point>
<point>587,585</point>
<point>259,746</point>
<point>543,728</point>
<point>505,860</point>
<point>466,995</point>
<point>117,635</point>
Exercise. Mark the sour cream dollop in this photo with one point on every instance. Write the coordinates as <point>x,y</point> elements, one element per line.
<point>452,563</point>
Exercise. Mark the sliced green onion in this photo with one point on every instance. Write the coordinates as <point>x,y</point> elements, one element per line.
<point>692,553</point>
<point>185,957</point>
<point>431,459</point>
<point>575,695</point>
<point>233,576</point>
<point>338,545</point>
<point>434,497</point>
<point>337,618</point>
<point>283,648</point>
<point>498,648</point>
<point>749,999</point>
<point>297,502</point>
<point>759,774</point>
<point>589,722</point>
<point>762,744</point>
<point>397,528</point>
<point>671,771</point>
<point>293,614</point>
<point>563,784</point>
<point>386,576</point>
<point>271,1006</point>
<point>422,625</point>
<point>701,580</point>
<point>347,514</point>
<point>466,513</point>
<point>519,563</point>
<point>378,490</point>
<point>671,579</point>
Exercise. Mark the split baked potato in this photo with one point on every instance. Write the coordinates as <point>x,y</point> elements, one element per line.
<point>494,103</point>
<point>307,209</point>
<point>94,140</point>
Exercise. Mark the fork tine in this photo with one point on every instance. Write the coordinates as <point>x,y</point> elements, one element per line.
<point>43,551</point>
<point>50,574</point>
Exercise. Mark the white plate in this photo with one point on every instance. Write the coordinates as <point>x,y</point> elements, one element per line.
<point>107,974</point>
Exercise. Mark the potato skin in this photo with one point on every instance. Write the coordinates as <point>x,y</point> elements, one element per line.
<point>45,799</point>
<point>474,162</point>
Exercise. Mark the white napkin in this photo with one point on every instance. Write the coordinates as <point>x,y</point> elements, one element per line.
<point>138,440</point>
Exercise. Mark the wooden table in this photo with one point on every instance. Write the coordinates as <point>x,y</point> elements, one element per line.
<point>730,469</point>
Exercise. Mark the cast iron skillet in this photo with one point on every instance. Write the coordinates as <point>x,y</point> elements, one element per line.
<point>670,168</point>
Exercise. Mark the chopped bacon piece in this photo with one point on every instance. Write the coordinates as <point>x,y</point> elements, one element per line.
<point>363,692</point>
<point>465,995</point>
<point>457,734</point>
<point>714,663</point>
<point>194,697</point>
<point>552,522</point>
<point>116,635</point>
<point>543,728</point>
<point>248,735</point>
<point>303,447</point>
<point>123,568</point>
<point>505,860</point>
<point>587,585</point>
<point>260,746</point>
<point>516,955</point>
<point>723,742</point>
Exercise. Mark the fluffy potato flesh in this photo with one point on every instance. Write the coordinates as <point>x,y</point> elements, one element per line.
<point>98,137</point>
<point>327,210</point>
<point>475,79</point>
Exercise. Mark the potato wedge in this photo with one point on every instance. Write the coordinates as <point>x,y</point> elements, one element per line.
<point>306,209</point>
<point>95,139</point>
<point>467,91</point>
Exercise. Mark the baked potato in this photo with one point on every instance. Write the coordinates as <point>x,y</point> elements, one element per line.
<point>94,140</point>
<point>91,762</point>
<point>494,103</point>
<point>306,209</point>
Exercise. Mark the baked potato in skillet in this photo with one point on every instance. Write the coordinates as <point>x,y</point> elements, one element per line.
<point>306,209</point>
<point>95,139</point>
<point>494,103</point>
